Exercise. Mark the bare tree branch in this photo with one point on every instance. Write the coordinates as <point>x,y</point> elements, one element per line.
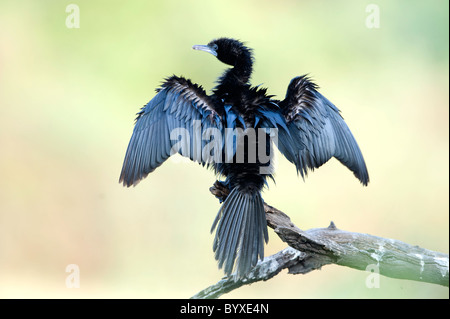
<point>314,248</point>
<point>264,270</point>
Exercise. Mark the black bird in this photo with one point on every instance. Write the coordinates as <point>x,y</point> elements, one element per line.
<point>232,131</point>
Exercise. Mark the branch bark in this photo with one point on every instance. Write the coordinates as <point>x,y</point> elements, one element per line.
<point>311,249</point>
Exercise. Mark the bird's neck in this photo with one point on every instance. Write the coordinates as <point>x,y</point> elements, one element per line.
<point>237,76</point>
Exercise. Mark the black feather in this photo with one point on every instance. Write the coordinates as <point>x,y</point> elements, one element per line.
<point>317,131</point>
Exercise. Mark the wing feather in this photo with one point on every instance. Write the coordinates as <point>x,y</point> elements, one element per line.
<point>316,131</point>
<point>176,106</point>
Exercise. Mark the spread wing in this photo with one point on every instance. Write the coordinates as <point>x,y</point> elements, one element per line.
<point>316,131</point>
<point>173,121</point>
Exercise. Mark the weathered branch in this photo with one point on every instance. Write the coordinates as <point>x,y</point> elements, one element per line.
<point>314,248</point>
<point>264,270</point>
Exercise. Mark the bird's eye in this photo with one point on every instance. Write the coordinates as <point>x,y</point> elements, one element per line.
<point>215,47</point>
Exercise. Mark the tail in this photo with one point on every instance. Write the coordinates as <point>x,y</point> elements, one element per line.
<point>241,229</point>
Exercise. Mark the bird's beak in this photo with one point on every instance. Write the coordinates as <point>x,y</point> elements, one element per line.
<point>205,48</point>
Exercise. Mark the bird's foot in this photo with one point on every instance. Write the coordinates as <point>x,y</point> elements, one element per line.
<point>220,190</point>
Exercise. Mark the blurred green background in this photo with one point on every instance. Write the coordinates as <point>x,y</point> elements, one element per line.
<point>68,99</point>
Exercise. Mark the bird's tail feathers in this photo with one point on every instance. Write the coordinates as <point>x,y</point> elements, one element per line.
<point>241,231</point>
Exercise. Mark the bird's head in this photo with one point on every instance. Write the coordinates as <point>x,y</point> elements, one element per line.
<point>229,51</point>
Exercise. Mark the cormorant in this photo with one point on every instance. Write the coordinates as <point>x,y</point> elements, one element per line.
<point>232,131</point>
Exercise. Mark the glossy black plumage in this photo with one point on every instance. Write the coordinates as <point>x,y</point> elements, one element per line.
<point>230,131</point>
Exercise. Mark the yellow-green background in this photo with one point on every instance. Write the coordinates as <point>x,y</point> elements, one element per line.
<point>68,99</point>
